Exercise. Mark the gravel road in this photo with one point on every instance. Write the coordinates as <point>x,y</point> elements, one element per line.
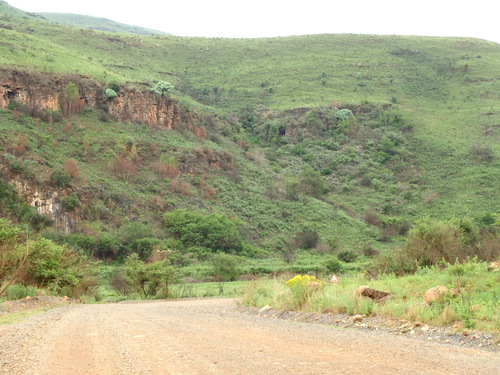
<point>213,336</point>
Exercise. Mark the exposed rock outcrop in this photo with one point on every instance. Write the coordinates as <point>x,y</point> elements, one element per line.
<point>48,203</point>
<point>44,94</point>
<point>40,92</point>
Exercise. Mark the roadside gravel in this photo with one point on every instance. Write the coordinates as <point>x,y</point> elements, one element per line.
<point>392,326</point>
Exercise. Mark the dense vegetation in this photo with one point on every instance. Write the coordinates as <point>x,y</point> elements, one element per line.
<point>309,154</point>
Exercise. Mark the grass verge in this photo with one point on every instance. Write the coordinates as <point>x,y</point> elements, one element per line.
<point>475,306</point>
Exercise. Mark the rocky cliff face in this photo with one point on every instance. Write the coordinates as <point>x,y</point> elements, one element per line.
<point>42,95</point>
<point>48,203</point>
<point>145,108</point>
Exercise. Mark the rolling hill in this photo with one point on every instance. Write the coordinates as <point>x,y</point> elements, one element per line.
<point>96,23</point>
<point>342,140</point>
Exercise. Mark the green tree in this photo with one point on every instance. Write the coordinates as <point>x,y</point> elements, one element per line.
<point>57,267</point>
<point>71,90</point>
<point>131,232</point>
<point>225,267</point>
<point>162,88</point>
<point>148,279</point>
<point>343,114</point>
<point>272,130</point>
<point>213,231</point>
<point>12,258</point>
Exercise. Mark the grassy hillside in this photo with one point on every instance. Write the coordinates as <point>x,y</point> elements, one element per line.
<point>96,23</point>
<point>422,138</point>
<point>6,9</point>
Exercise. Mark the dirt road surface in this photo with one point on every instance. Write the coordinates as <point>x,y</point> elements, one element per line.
<point>213,336</point>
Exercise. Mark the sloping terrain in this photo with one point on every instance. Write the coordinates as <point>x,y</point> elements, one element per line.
<point>97,23</point>
<point>338,136</point>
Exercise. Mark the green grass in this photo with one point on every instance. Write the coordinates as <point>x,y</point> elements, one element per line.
<point>96,23</point>
<point>476,307</point>
<point>17,317</point>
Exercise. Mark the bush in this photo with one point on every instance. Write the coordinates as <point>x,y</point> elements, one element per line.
<point>56,267</point>
<point>61,178</point>
<point>144,246</point>
<point>146,279</point>
<point>71,202</point>
<point>307,239</point>
<point>115,87</point>
<point>343,114</point>
<point>11,258</point>
<point>302,288</point>
<point>347,256</point>
<point>162,88</point>
<point>311,183</point>
<point>225,267</point>
<point>133,231</point>
<point>213,231</point>
<point>432,241</point>
<point>483,153</point>
<point>108,246</point>
<point>80,241</point>
<point>332,264</point>
<point>110,93</point>
<point>18,291</point>
<point>272,130</point>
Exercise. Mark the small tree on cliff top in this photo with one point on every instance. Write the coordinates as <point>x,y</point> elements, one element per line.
<point>162,88</point>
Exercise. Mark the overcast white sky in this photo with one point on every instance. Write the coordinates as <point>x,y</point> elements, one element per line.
<point>266,18</point>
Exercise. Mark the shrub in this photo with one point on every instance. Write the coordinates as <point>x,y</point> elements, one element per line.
<point>213,231</point>
<point>332,264</point>
<point>162,88</point>
<point>18,291</point>
<point>11,259</point>
<point>71,90</point>
<point>144,246</point>
<point>71,202</point>
<point>130,232</point>
<point>343,114</point>
<point>302,288</point>
<point>60,178</point>
<point>272,130</point>
<point>311,183</point>
<point>110,93</point>
<point>307,239</point>
<point>434,242</point>
<point>225,267</point>
<point>108,246</point>
<point>80,241</point>
<point>347,256</point>
<point>115,87</point>
<point>22,143</point>
<point>56,267</point>
<point>431,241</point>
<point>146,279</point>
<point>369,250</point>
